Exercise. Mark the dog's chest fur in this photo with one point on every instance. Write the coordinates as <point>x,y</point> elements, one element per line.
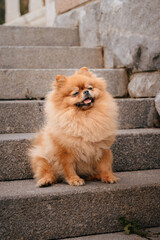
<point>87,152</point>
<point>87,155</point>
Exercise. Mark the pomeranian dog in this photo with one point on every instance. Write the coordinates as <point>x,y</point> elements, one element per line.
<point>80,127</point>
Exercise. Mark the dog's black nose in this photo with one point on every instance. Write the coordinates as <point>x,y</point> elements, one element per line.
<point>86,92</point>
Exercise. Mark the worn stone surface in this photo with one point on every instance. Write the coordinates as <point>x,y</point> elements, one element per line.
<point>69,19</point>
<point>35,83</point>
<point>87,19</point>
<point>117,80</point>
<point>21,116</point>
<point>113,25</point>
<point>63,211</point>
<point>132,150</point>
<point>136,149</point>
<point>108,236</point>
<point>144,84</point>
<point>153,235</point>
<point>137,113</point>
<point>50,57</point>
<point>119,236</point>
<point>131,46</point>
<point>27,116</point>
<point>89,24</point>
<point>13,156</point>
<point>38,36</point>
<point>157,103</point>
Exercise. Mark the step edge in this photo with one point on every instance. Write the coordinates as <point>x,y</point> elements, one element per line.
<point>120,132</point>
<point>89,187</point>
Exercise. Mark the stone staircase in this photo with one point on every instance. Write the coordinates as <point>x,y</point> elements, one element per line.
<point>30,58</point>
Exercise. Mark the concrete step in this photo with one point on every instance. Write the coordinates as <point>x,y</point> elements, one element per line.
<point>35,83</point>
<point>153,234</point>
<point>27,116</point>
<point>38,36</point>
<point>62,211</point>
<point>136,149</point>
<point>50,57</point>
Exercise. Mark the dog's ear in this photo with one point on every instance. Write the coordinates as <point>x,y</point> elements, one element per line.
<point>84,71</point>
<point>60,80</point>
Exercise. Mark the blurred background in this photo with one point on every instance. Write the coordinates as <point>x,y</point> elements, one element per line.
<point>12,12</point>
<point>23,9</point>
<point>2,11</point>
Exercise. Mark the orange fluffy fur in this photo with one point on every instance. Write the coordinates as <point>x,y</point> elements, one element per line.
<point>75,141</point>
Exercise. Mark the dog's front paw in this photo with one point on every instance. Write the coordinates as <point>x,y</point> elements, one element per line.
<point>110,178</point>
<point>75,181</point>
<point>45,182</point>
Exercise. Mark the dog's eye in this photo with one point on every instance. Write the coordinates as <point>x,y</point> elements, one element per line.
<point>90,88</point>
<point>75,94</point>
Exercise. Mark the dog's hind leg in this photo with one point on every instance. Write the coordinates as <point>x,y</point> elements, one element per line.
<point>43,171</point>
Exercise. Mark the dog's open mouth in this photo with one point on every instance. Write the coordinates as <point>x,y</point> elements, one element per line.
<point>86,102</point>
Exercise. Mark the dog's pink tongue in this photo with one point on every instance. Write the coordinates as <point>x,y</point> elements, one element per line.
<point>87,101</point>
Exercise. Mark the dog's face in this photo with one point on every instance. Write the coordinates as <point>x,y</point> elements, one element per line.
<point>80,90</point>
<point>82,96</point>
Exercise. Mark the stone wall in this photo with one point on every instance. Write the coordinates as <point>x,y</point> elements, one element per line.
<point>129,31</point>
